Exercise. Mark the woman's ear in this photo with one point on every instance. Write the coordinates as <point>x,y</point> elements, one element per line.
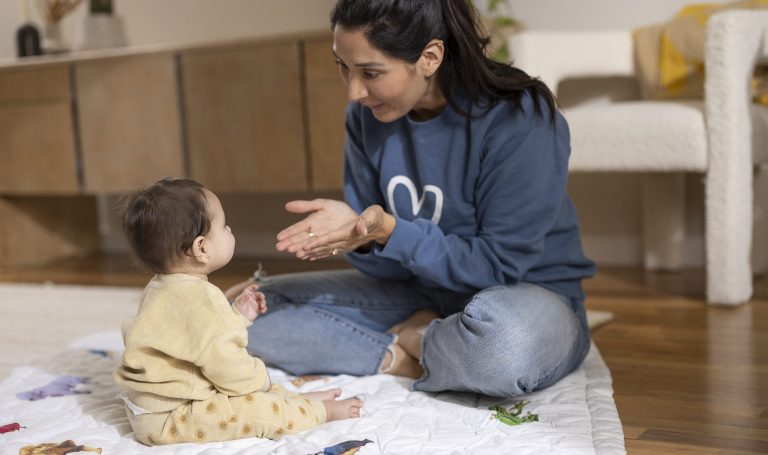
<point>432,57</point>
<point>199,249</point>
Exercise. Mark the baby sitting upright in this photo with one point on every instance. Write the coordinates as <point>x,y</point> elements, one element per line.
<point>185,370</point>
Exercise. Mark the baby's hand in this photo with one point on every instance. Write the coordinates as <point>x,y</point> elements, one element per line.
<point>251,303</point>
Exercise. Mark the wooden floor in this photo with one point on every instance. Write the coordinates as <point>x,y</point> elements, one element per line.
<point>688,378</point>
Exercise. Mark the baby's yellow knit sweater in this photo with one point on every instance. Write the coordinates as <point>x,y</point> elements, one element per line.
<point>186,343</point>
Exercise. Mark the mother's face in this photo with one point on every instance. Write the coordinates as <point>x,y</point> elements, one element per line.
<point>390,87</point>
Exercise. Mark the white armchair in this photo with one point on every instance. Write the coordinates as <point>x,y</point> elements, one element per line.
<point>724,137</point>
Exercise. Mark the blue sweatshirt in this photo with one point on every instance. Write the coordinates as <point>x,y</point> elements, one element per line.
<point>478,202</point>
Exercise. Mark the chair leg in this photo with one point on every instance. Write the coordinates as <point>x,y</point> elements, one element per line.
<point>760,214</point>
<point>728,237</point>
<point>663,206</point>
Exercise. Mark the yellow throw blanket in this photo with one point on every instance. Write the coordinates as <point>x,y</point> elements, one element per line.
<point>670,56</point>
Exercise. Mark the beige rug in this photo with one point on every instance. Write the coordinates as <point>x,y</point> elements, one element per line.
<point>42,319</point>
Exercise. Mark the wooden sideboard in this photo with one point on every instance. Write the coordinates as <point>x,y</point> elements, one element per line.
<point>248,116</point>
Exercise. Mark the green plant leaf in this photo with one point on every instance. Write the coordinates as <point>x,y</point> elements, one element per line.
<point>493,5</point>
<point>501,54</point>
<point>503,21</point>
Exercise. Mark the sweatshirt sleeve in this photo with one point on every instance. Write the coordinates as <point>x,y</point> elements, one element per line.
<point>361,190</point>
<point>229,367</point>
<point>520,192</point>
<point>224,360</point>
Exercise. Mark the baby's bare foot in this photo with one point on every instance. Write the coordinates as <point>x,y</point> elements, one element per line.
<point>323,395</point>
<point>417,319</point>
<point>342,409</point>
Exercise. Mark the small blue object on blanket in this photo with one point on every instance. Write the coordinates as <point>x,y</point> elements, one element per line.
<point>101,352</point>
<point>344,448</point>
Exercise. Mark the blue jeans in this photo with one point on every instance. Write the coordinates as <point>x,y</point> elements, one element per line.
<point>503,341</point>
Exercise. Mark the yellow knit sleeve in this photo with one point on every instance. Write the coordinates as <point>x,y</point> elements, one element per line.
<point>224,360</point>
<point>226,363</point>
<point>239,315</point>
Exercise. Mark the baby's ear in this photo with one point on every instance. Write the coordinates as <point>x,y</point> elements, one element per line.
<point>199,249</point>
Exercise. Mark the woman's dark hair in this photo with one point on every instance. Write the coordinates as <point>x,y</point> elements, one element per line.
<point>403,28</point>
<point>162,221</point>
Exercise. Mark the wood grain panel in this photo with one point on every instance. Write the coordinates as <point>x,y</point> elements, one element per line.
<point>244,119</point>
<point>326,103</point>
<point>36,230</point>
<point>129,122</point>
<point>50,83</point>
<point>37,148</point>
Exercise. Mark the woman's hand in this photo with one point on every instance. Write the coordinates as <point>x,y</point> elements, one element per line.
<point>333,228</point>
<point>251,303</point>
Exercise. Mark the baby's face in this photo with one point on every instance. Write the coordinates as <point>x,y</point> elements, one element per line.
<point>220,241</point>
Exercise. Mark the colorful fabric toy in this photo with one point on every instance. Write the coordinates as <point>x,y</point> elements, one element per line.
<point>512,416</point>
<point>51,448</point>
<point>63,385</point>
<point>344,448</point>
<point>10,427</point>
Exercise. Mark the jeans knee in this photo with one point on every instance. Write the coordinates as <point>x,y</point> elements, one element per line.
<point>514,365</point>
<point>528,337</point>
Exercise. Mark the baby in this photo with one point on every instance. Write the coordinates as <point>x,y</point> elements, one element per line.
<point>186,371</point>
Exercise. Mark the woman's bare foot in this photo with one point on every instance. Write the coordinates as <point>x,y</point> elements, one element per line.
<point>410,339</point>
<point>403,365</point>
<point>342,409</point>
<point>417,319</point>
<point>411,331</point>
<point>322,395</point>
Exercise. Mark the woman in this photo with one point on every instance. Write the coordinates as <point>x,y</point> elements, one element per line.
<point>465,244</point>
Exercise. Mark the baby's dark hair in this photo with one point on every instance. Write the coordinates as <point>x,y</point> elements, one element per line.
<point>162,221</point>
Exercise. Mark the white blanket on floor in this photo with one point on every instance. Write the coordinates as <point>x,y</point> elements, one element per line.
<point>576,415</point>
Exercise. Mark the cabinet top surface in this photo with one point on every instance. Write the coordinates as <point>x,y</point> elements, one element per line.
<point>9,64</point>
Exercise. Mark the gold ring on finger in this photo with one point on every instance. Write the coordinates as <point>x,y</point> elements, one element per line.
<point>335,252</point>
<point>311,235</point>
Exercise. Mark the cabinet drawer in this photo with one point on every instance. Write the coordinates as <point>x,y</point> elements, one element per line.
<point>37,149</point>
<point>50,83</point>
<point>129,122</point>
<point>245,129</point>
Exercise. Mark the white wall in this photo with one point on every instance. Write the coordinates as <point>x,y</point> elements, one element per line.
<point>164,21</point>
<point>170,21</point>
<point>595,14</point>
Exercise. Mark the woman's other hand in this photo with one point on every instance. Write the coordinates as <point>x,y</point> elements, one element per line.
<point>333,228</point>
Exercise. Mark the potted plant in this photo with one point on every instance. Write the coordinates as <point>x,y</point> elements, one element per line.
<point>499,24</point>
<point>52,12</point>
